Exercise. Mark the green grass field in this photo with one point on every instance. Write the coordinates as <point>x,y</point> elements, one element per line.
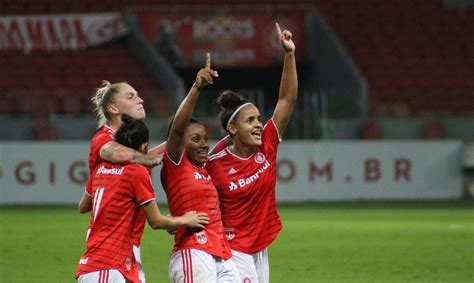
<point>355,242</point>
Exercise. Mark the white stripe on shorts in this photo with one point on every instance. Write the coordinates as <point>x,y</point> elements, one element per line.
<point>187,265</point>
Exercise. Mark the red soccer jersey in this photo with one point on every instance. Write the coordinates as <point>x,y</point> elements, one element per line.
<point>117,193</point>
<point>140,223</point>
<point>139,228</point>
<point>246,188</point>
<point>101,138</point>
<point>189,187</point>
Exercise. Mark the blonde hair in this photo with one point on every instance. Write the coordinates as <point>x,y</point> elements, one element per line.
<point>103,96</point>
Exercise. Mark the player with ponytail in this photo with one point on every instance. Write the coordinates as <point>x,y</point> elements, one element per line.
<point>111,101</point>
<point>244,173</point>
<point>120,192</point>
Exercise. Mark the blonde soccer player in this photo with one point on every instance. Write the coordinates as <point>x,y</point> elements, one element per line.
<point>111,102</point>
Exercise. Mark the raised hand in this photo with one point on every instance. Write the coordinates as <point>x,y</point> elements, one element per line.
<point>205,76</point>
<point>285,39</point>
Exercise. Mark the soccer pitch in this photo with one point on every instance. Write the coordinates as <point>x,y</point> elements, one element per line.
<point>355,242</point>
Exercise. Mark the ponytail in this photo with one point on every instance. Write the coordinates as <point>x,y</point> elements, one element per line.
<point>103,96</point>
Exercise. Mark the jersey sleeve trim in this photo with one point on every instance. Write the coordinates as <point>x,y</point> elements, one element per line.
<point>147,201</point>
<point>275,127</point>
<point>218,155</point>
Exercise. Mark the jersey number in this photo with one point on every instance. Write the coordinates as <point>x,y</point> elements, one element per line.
<point>97,199</point>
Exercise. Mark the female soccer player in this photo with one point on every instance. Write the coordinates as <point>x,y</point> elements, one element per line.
<point>245,172</point>
<point>111,101</point>
<point>119,193</point>
<point>198,255</point>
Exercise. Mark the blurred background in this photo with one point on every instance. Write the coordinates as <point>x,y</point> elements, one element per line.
<point>368,69</point>
<point>378,155</point>
<point>390,71</point>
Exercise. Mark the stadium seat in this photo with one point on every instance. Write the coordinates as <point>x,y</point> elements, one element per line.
<point>8,104</point>
<point>73,75</point>
<point>370,130</point>
<point>433,129</point>
<point>44,130</point>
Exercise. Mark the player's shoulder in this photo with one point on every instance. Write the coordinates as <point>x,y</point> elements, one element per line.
<point>137,170</point>
<point>105,131</point>
<point>270,124</point>
<point>218,156</point>
<point>138,173</point>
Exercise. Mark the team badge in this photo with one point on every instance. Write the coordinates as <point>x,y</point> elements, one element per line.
<point>229,233</point>
<point>128,263</point>
<point>201,237</point>
<point>259,157</point>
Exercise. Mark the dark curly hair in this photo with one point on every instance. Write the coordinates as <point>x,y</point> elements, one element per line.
<point>228,102</point>
<point>132,133</point>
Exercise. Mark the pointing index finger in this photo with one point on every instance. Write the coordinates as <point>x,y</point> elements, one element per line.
<point>278,28</point>
<point>208,61</point>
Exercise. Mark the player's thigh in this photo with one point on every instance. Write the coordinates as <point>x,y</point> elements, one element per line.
<point>138,258</point>
<point>189,265</point>
<point>246,266</point>
<point>227,271</point>
<point>262,266</point>
<point>106,276</point>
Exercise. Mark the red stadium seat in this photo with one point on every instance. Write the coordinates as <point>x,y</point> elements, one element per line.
<point>370,130</point>
<point>433,129</point>
<point>44,130</point>
<point>72,71</point>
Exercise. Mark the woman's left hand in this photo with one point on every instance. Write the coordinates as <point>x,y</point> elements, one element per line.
<point>285,39</point>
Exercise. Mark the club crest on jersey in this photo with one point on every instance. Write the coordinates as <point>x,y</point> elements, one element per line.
<point>201,237</point>
<point>229,233</point>
<point>259,157</point>
<point>128,263</point>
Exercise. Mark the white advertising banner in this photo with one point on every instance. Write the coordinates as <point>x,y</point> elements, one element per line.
<point>56,172</point>
<point>340,170</point>
<point>58,32</point>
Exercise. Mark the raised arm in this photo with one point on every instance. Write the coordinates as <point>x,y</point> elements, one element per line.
<point>220,145</point>
<point>175,142</point>
<point>288,84</point>
<point>157,150</point>
<point>116,153</point>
